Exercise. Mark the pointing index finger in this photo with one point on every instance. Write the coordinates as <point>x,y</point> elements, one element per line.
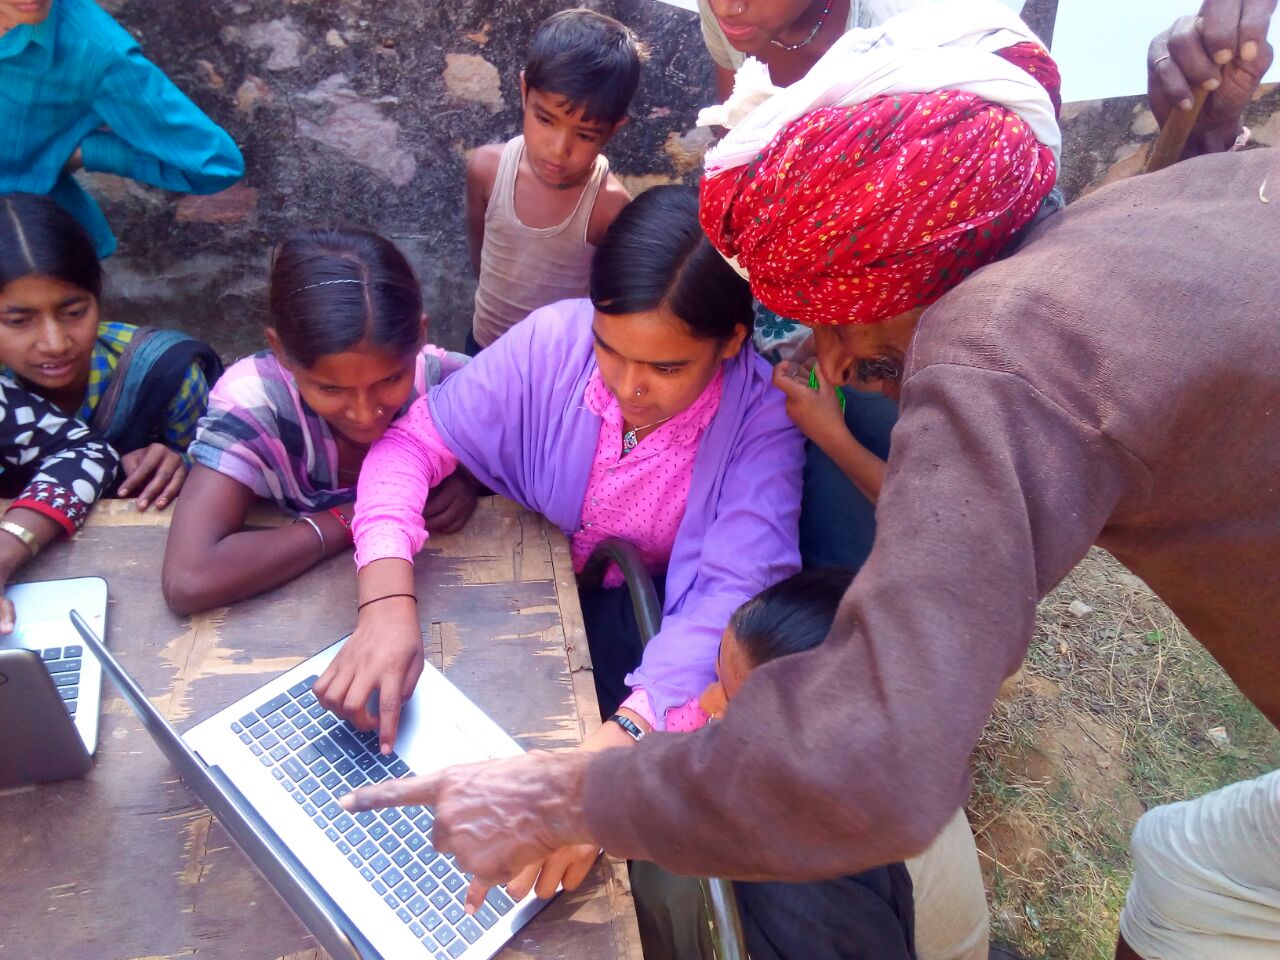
<point>423,791</point>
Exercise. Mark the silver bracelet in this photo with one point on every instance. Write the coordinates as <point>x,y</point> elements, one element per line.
<point>324,547</point>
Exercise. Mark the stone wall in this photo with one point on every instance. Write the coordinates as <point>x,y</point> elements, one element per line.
<point>358,111</point>
<point>363,111</point>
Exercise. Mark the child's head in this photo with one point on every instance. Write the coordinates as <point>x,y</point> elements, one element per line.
<point>17,13</point>
<point>346,320</point>
<point>582,71</point>
<point>50,281</point>
<point>789,617</point>
<point>669,309</point>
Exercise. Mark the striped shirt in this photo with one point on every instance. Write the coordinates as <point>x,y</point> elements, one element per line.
<point>63,80</point>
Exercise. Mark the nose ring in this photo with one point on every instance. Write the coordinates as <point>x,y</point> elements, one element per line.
<point>638,391</point>
<point>381,411</point>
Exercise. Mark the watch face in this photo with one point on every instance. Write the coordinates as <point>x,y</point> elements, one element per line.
<point>633,731</point>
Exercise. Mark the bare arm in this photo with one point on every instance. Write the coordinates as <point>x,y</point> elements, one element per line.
<point>482,169</point>
<point>211,560</point>
<point>14,553</point>
<point>818,415</point>
<point>613,197</point>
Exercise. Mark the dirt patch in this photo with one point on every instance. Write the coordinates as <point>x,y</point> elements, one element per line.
<point>1115,707</point>
<point>1015,844</point>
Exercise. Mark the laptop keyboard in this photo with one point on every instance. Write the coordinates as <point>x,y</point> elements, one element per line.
<point>317,758</point>
<point>63,664</point>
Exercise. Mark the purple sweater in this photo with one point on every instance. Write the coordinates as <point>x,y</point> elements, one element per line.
<point>515,417</point>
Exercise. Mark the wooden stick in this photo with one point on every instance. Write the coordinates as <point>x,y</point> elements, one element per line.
<point>1173,135</point>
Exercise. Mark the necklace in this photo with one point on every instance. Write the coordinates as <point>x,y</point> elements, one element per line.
<point>817,28</point>
<point>629,439</point>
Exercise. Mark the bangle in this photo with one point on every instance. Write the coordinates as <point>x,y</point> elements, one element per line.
<point>319,533</point>
<point>346,524</point>
<point>23,534</point>
<point>389,596</point>
<point>630,726</point>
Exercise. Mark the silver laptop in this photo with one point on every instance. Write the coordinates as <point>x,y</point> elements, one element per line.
<point>43,627</point>
<point>272,766</point>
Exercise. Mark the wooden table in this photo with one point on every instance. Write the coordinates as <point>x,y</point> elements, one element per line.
<point>126,863</point>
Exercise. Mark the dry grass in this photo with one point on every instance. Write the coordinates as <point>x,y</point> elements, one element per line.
<point>1113,715</point>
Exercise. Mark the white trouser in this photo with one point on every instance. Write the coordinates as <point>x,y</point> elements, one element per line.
<point>1206,883</point>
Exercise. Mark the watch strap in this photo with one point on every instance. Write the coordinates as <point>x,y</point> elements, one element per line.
<point>630,726</point>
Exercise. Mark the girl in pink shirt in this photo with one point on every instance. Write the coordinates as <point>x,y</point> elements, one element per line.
<point>636,414</point>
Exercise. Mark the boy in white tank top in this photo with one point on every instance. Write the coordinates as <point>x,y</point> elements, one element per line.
<point>538,204</point>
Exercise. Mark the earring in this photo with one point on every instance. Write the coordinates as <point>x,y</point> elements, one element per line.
<point>381,411</point>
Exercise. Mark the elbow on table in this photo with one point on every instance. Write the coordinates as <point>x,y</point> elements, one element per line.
<point>181,588</point>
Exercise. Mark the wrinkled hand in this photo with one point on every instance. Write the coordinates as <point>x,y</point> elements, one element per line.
<point>384,654</point>
<point>157,470</point>
<point>816,412</point>
<point>451,503</point>
<point>1225,50</point>
<point>497,817</point>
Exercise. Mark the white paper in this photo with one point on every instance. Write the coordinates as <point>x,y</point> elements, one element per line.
<point>682,4</point>
<point>1101,45</point>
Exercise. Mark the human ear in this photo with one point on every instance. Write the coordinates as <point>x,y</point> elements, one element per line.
<point>616,127</point>
<point>273,341</point>
<point>524,91</point>
<point>423,328</point>
<point>733,345</point>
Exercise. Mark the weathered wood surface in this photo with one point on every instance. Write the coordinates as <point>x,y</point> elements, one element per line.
<point>126,864</point>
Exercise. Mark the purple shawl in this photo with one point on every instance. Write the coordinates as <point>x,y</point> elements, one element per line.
<point>515,417</point>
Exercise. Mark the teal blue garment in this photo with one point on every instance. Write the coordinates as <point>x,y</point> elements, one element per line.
<point>61,81</point>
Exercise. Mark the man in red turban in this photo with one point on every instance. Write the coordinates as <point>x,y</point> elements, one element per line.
<point>1113,383</point>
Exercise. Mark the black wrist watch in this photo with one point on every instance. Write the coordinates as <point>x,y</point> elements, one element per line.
<point>633,731</point>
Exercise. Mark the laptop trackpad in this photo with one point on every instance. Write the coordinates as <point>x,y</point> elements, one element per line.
<point>432,735</point>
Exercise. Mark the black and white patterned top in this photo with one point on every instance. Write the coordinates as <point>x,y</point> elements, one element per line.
<point>69,467</point>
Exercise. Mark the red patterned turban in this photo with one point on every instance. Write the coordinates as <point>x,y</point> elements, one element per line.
<point>855,214</point>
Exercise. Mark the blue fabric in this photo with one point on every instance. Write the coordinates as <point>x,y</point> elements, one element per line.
<point>62,80</point>
<point>837,523</point>
<point>157,368</point>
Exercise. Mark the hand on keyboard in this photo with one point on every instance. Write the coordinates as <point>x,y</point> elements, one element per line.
<point>567,868</point>
<point>384,654</point>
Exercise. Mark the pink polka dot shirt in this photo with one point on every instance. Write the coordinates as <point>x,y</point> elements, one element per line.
<point>640,496</point>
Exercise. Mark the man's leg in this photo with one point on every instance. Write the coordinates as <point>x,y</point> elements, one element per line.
<point>868,916</point>
<point>952,921</point>
<point>672,914</point>
<point>1206,881</point>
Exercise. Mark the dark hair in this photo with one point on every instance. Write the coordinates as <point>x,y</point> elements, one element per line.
<point>332,289</point>
<point>792,616</point>
<point>40,239</point>
<point>591,60</point>
<point>655,254</point>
